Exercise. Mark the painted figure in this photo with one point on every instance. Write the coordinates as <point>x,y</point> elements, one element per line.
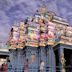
<point>42,66</point>
<point>26,66</point>
<point>63,62</point>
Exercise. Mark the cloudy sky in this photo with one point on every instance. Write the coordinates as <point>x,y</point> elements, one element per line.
<point>12,11</point>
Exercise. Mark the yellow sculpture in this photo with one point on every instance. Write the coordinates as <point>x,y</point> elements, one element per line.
<point>63,61</point>
<point>21,25</point>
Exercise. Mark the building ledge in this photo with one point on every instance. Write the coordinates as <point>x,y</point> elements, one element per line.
<point>4,50</point>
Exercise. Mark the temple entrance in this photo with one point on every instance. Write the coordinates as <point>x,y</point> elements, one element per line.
<point>57,60</point>
<point>3,62</point>
<point>68,58</point>
<point>3,58</point>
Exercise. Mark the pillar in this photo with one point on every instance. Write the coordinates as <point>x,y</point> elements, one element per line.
<point>13,59</point>
<point>61,60</point>
<point>50,59</point>
<point>32,56</point>
<point>42,57</point>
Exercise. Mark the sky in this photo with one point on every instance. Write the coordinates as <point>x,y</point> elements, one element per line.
<point>12,11</point>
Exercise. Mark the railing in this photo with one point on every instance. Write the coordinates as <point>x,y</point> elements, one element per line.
<point>47,69</point>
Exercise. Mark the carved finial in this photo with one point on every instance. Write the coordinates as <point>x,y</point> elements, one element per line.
<point>42,9</point>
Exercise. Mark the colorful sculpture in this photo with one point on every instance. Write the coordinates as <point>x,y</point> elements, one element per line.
<point>63,61</point>
<point>41,29</point>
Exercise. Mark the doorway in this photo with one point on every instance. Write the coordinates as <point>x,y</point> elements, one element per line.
<point>3,58</point>
<point>68,58</point>
<point>57,60</point>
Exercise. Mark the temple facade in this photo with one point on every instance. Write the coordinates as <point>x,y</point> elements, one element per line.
<point>41,43</point>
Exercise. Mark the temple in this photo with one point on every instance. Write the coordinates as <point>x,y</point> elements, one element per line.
<point>40,43</point>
